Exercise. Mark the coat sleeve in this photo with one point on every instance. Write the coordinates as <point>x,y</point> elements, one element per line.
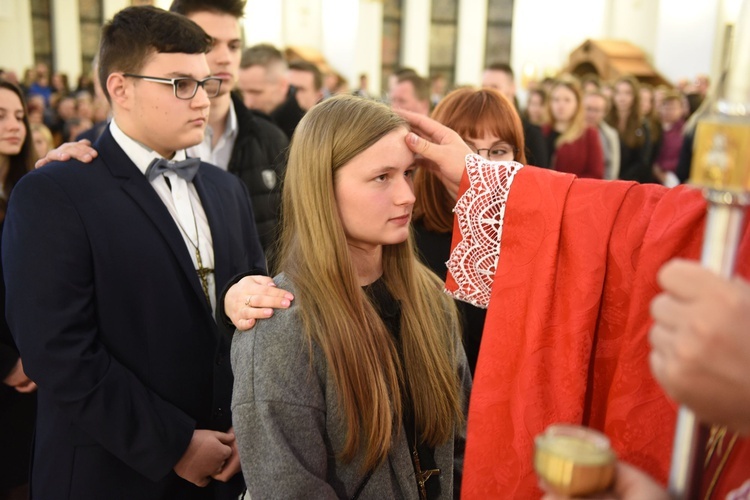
<point>52,313</point>
<point>279,412</point>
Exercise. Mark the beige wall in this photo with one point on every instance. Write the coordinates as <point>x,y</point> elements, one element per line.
<point>15,36</point>
<point>544,32</point>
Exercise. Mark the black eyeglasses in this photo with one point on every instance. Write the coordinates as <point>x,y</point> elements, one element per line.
<point>184,87</point>
<point>498,153</point>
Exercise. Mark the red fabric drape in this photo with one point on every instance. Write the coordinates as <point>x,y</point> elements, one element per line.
<point>566,336</point>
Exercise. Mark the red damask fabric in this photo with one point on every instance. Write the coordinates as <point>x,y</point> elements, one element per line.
<point>566,336</point>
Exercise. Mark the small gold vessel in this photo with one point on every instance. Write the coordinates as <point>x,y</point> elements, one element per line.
<point>574,460</point>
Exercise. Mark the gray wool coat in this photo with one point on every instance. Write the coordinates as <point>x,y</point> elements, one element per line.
<point>289,427</point>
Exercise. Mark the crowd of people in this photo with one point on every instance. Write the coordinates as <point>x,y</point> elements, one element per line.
<point>227,273</point>
<point>559,118</point>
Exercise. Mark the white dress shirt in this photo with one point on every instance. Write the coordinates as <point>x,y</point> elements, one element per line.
<point>220,154</point>
<point>182,201</point>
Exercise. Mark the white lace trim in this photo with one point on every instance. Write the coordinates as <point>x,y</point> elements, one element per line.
<point>480,213</point>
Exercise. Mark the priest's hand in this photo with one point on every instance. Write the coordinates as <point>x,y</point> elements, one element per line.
<point>629,484</point>
<point>700,345</point>
<point>81,151</point>
<point>253,298</point>
<point>438,147</point>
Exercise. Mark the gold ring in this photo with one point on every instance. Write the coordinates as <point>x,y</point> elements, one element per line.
<point>247,302</point>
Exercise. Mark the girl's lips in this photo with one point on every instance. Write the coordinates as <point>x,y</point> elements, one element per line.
<point>404,219</point>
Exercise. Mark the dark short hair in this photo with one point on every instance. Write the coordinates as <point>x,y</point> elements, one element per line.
<point>137,32</point>
<point>235,8</point>
<point>421,85</point>
<point>504,67</point>
<point>309,68</point>
<point>263,54</point>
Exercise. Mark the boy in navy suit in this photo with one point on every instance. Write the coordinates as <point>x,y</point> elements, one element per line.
<point>113,270</point>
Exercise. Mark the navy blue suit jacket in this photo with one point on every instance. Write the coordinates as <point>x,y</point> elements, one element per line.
<point>111,322</point>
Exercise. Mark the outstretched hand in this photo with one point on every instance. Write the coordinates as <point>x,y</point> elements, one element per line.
<point>442,148</point>
<point>253,298</point>
<point>81,151</point>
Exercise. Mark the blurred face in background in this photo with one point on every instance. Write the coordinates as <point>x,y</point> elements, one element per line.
<point>12,128</point>
<point>262,90</point>
<point>670,111</point>
<point>623,97</point>
<point>647,101</point>
<point>563,104</point>
<point>403,96</point>
<point>42,143</point>
<point>501,81</point>
<point>659,94</point>
<point>535,109</point>
<point>85,107</point>
<point>594,109</point>
<point>307,95</point>
<point>66,108</point>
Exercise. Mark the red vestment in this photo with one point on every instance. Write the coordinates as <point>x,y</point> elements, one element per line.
<point>566,337</point>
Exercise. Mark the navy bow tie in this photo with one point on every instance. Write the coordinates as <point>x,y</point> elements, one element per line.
<point>186,168</point>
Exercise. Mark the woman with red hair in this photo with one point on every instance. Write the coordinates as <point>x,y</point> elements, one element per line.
<point>490,125</point>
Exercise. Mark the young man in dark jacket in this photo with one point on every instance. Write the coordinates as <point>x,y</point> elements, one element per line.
<point>244,142</point>
<point>238,140</point>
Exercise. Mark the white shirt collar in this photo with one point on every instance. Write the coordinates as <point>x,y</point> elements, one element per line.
<point>139,153</point>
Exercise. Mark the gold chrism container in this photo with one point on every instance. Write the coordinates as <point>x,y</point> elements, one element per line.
<point>574,460</point>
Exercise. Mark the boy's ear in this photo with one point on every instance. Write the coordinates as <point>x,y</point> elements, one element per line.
<point>120,89</point>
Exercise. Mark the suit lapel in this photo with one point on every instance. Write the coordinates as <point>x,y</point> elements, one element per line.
<point>140,190</point>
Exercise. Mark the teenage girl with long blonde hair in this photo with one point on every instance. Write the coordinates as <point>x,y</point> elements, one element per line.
<point>359,389</point>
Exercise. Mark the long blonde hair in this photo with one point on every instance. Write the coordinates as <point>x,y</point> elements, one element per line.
<point>577,125</point>
<point>336,313</point>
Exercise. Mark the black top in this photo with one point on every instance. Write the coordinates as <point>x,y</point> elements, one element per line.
<point>288,114</point>
<point>389,310</point>
<point>551,139</point>
<point>17,411</point>
<point>536,148</point>
<point>434,250</point>
<point>259,160</point>
<point>635,162</point>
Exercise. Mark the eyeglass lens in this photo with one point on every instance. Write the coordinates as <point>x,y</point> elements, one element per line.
<point>186,88</point>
